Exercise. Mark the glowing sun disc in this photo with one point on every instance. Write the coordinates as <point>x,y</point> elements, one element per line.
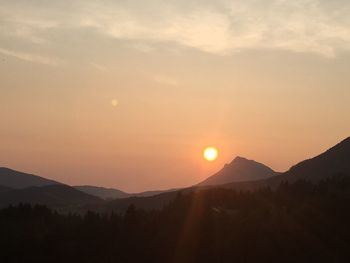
<point>210,154</point>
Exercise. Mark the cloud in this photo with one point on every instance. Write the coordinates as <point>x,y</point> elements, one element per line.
<point>311,26</point>
<point>200,29</point>
<point>31,57</point>
<point>25,24</point>
<point>218,27</point>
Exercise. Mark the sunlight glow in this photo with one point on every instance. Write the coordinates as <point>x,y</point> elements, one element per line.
<point>210,154</point>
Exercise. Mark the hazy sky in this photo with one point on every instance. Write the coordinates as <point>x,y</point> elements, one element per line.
<point>127,93</point>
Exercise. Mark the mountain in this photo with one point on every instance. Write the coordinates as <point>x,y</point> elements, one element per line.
<point>51,195</point>
<point>112,193</point>
<point>104,193</point>
<point>239,170</point>
<point>17,187</point>
<point>143,202</point>
<point>18,180</point>
<point>334,161</point>
<point>152,193</point>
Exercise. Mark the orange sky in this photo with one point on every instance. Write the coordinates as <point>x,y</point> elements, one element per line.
<point>127,95</point>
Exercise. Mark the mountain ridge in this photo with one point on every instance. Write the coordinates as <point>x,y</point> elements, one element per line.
<point>335,160</point>
<point>102,192</point>
<point>341,149</point>
<point>240,169</point>
<point>332,162</point>
<point>19,180</point>
<point>51,195</point>
<point>113,193</point>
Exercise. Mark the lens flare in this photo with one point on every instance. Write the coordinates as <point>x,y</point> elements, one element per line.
<point>114,102</point>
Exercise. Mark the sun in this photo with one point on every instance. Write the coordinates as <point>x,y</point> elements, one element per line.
<point>210,154</point>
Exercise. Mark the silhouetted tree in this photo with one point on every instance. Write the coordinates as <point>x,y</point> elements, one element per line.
<point>299,222</point>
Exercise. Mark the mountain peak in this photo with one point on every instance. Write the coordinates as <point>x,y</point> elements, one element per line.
<point>237,161</point>
<point>240,169</point>
<point>239,158</point>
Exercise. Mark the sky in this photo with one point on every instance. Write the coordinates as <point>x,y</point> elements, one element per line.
<point>127,94</point>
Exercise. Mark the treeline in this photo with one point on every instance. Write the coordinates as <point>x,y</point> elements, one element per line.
<point>301,222</point>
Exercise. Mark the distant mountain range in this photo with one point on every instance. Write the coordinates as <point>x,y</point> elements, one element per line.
<point>102,192</point>
<point>18,187</point>
<point>239,170</point>
<point>333,162</point>
<point>112,193</point>
<point>242,174</point>
<point>57,195</point>
<point>18,180</point>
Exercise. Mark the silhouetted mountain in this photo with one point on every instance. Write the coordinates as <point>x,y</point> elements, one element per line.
<point>14,179</point>
<point>104,193</point>
<point>112,193</point>
<point>144,202</point>
<point>333,162</point>
<point>17,187</point>
<point>51,195</point>
<point>152,193</point>
<point>240,169</point>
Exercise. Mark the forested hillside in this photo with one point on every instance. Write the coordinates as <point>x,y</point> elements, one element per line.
<point>299,222</point>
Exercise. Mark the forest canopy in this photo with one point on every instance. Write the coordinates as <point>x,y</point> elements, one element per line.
<point>300,222</point>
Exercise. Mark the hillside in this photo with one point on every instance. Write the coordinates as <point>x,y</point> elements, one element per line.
<point>112,193</point>
<point>18,180</point>
<point>144,202</point>
<point>52,195</point>
<point>102,192</point>
<point>302,222</point>
<point>4,188</point>
<point>334,161</point>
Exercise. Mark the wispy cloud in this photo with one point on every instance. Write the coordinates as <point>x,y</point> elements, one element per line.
<point>31,57</point>
<point>25,24</point>
<point>218,27</point>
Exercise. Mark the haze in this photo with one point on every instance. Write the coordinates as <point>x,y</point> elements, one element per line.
<point>127,94</point>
